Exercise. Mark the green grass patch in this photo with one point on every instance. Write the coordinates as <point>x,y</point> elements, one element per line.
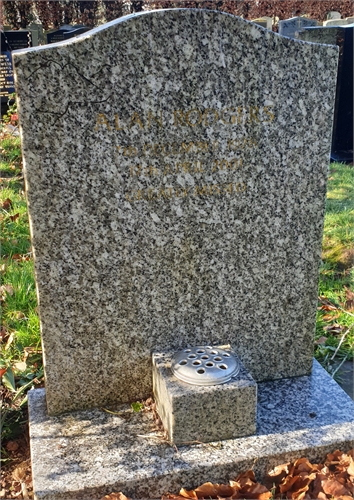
<point>335,315</point>
<point>20,353</point>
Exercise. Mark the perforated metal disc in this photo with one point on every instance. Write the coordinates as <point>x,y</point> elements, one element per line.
<point>204,365</point>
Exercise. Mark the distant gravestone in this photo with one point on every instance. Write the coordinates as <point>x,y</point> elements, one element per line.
<point>10,40</point>
<point>265,22</point>
<point>18,39</point>
<point>36,30</point>
<point>176,191</point>
<point>338,22</point>
<point>65,32</point>
<point>333,14</point>
<point>289,27</point>
<point>342,139</point>
<point>6,76</point>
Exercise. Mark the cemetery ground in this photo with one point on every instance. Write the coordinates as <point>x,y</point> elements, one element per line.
<point>21,360</point>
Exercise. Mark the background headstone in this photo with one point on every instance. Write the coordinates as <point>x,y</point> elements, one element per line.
<point>338,22</point>
<point>10,40</point>
<point>36,34</point>
<point>18,39</point>
<point>176,186</point>
<point>6,76</point>
<point>289,27</point>
<point>65,32</point>
<point>265,22</point>
<point>333,15</point>
<point>342,139</point>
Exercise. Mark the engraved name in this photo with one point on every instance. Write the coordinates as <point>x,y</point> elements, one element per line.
<point>186,118</point>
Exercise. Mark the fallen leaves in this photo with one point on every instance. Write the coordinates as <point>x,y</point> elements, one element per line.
<point>303,480</point>
<point>299,480</point>
<point>349,300</point>
<point>5,290</point>
<point>6,204</point>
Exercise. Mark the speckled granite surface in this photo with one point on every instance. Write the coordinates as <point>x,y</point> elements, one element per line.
<point>203,413</point>
<point>87,454</point>
<point>175,164</point>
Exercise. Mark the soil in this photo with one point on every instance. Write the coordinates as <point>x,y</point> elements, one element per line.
<point>16,473</point>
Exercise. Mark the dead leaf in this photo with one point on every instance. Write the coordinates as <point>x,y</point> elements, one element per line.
<point>6,204</point>
<point>330,317</point>
<point>9,341</point>
<point>19,315</point>
<point>9,289</point>
<point>20,366</point>
<point>188,493</point>
<point>214,490</point>
<point>11,446</point>
<point>3,334</point>
<point>14,217</point>
<point>349,300</point>
<point>334,487</point>
<point>321,341</point>
<point>350,469</point>
<point>335,328</point>
<point>2,371</point>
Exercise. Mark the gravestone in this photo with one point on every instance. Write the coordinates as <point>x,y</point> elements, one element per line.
<point>176,213</point>
<point>265,22</point>
<point>342,138</point>
<point>65,32</point>
<point>333,14</point>
<point>18,39</point>
<point>10,40</point>
<point>338,22</point>
<point>36,33</point>
<point>176,185</point>
<point>289,27</point>
<point>6,76</point>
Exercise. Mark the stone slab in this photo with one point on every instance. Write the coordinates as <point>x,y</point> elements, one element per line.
<point>84,455</point>
<point>289,27</point>
<point>176,185</point>
<point>203,413</point>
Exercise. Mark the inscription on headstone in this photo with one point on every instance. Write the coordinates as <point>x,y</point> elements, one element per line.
<point>289,27</point>
<point>176,193</point>
<point>6,76</point>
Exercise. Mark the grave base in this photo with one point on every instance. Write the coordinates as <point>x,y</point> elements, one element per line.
<point>87,454</point>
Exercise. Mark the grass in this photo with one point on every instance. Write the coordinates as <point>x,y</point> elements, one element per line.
<point>21,360</point>
<point>20,354</point>
<point>335,314</point>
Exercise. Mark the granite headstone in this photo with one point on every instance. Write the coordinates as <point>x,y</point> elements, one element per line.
<point>176,186</point>
<point>342,138</point>
<point>289,27</point>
